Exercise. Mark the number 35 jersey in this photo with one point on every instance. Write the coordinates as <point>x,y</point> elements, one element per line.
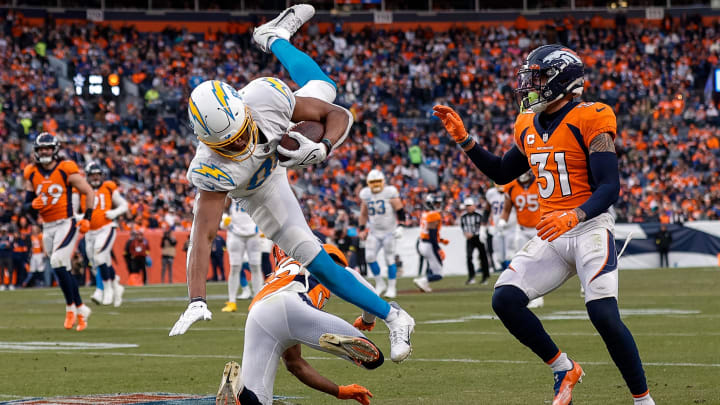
<point>54,188</point>
<point>559,155</point>
<point>381,215</point>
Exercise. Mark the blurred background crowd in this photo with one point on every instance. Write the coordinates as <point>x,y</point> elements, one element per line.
<point>656,78</point>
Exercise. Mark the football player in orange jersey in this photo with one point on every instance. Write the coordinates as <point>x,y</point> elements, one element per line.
<point>522,195</point>
<point>284,314</point>
<point>100,239</point>
<point>569,145</point>
<point>37,257</point>
<point>49,183</point>
<point>429,247</point>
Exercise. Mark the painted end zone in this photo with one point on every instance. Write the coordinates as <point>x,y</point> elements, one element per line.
<point>144,398</point>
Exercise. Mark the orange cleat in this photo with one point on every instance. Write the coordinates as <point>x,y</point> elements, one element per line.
<point>83,313</point>
<point>565,382</point>
<point>69,319</point>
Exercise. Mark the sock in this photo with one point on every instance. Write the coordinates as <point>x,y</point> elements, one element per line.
<point>345,286</point>
<point>75,291</point>
<point>112,272</point>
<point>104,271</point>
<point>392,271</point>
<point>560,363</point>
<point>64,278</point>
<point>605,316</point>
<point>243,275</point>
<point>375,268</point>
<point>266,265</point>
<point>432,277</point>
<point>510,304</point>
<point>643,399</point>
<point>302,68</point>
<point>70,308</point>
<point>98,279</point>
<point>248,397</point>
<point>233,282</point>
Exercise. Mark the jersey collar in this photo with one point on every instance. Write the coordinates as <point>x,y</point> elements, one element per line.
<point>546,133</point>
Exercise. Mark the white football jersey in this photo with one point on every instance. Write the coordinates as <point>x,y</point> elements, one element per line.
<point>496,199</point>
<point>271,104</point>
<point>381,215</point>
<point>240,221</point>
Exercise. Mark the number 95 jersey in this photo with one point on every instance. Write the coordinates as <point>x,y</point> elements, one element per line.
<point>559,155</point>
<point>381,215</point>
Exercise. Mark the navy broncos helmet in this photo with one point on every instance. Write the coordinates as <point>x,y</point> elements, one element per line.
<point>95,174</point>
<point>46,140</point>
<point>549,73</point>
<point>433,202</point>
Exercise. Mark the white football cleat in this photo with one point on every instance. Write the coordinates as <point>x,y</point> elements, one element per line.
<point>108,293</point>
<point>401,326</point>
<point>358,349</point>
<point>380,285</point>
<point>246,294</point>
<point>536,303</point>
<point>119,291</point>
<point>423,284</point>
<point>97,296</point>
<point>230,386</point>
<point>282,26</point>
<point>391,292</point>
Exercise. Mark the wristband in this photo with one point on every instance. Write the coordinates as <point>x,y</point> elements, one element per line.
<point>466,142</point>
<point>361,228</point>
<point>328,144</point>
<point>88,214</point>
<point>197,299</point>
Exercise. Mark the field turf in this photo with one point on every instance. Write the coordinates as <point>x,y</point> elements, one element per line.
<point>462,354</point>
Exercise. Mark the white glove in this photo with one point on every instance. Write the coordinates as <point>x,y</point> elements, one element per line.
<point>195,311</point>
<point>398,233</point>
<point>483,234</point>
<point>308,153</point>
<point>502,225</point>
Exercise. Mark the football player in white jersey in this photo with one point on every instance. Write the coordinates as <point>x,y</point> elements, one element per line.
<point>380,210</point>
<point>501,245</point>
<point>239,132</point>
<point>242,239</point>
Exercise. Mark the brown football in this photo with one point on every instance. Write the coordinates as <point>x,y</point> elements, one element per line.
<point>312,130</point>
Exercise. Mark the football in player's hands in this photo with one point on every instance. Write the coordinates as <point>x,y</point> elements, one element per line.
<point>312,130</point>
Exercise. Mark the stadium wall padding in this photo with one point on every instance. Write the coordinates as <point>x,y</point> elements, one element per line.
<point>695,244</point>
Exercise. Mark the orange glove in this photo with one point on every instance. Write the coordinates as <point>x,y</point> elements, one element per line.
<point>360,324</point>
<point>442,254</point>
<point>83,225</point>
<point>37,203</point>
<point>356,392</point>
<point>452,122</point>
<point>444,241</point>
<point>554,224</point>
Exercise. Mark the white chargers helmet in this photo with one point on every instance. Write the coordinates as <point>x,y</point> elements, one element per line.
<point>222,121</point>
<point>376,181</point>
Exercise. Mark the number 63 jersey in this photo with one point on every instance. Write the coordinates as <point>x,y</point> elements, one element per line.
<point>559,155</point>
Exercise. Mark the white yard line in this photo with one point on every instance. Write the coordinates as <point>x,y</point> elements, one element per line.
<point>430,360</point>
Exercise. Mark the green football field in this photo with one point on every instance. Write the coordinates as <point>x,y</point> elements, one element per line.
<point>462,353</point>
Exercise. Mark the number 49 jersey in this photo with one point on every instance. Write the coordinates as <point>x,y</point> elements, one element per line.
<point>381,215</point>
<point>559,155</point>
<point>53,188</point>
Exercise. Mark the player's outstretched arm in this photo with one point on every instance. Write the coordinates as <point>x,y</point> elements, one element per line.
<point>309,376</point>
<point>604,169</point>
<point>501,169</point>
<point>208,212</point>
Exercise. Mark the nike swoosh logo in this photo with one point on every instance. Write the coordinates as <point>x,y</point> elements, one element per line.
<point>599,109</point>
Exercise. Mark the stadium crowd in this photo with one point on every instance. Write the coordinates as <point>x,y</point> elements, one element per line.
<point>654,77</point>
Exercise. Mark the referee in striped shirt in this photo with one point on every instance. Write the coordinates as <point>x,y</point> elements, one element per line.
<point>471,223</point>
